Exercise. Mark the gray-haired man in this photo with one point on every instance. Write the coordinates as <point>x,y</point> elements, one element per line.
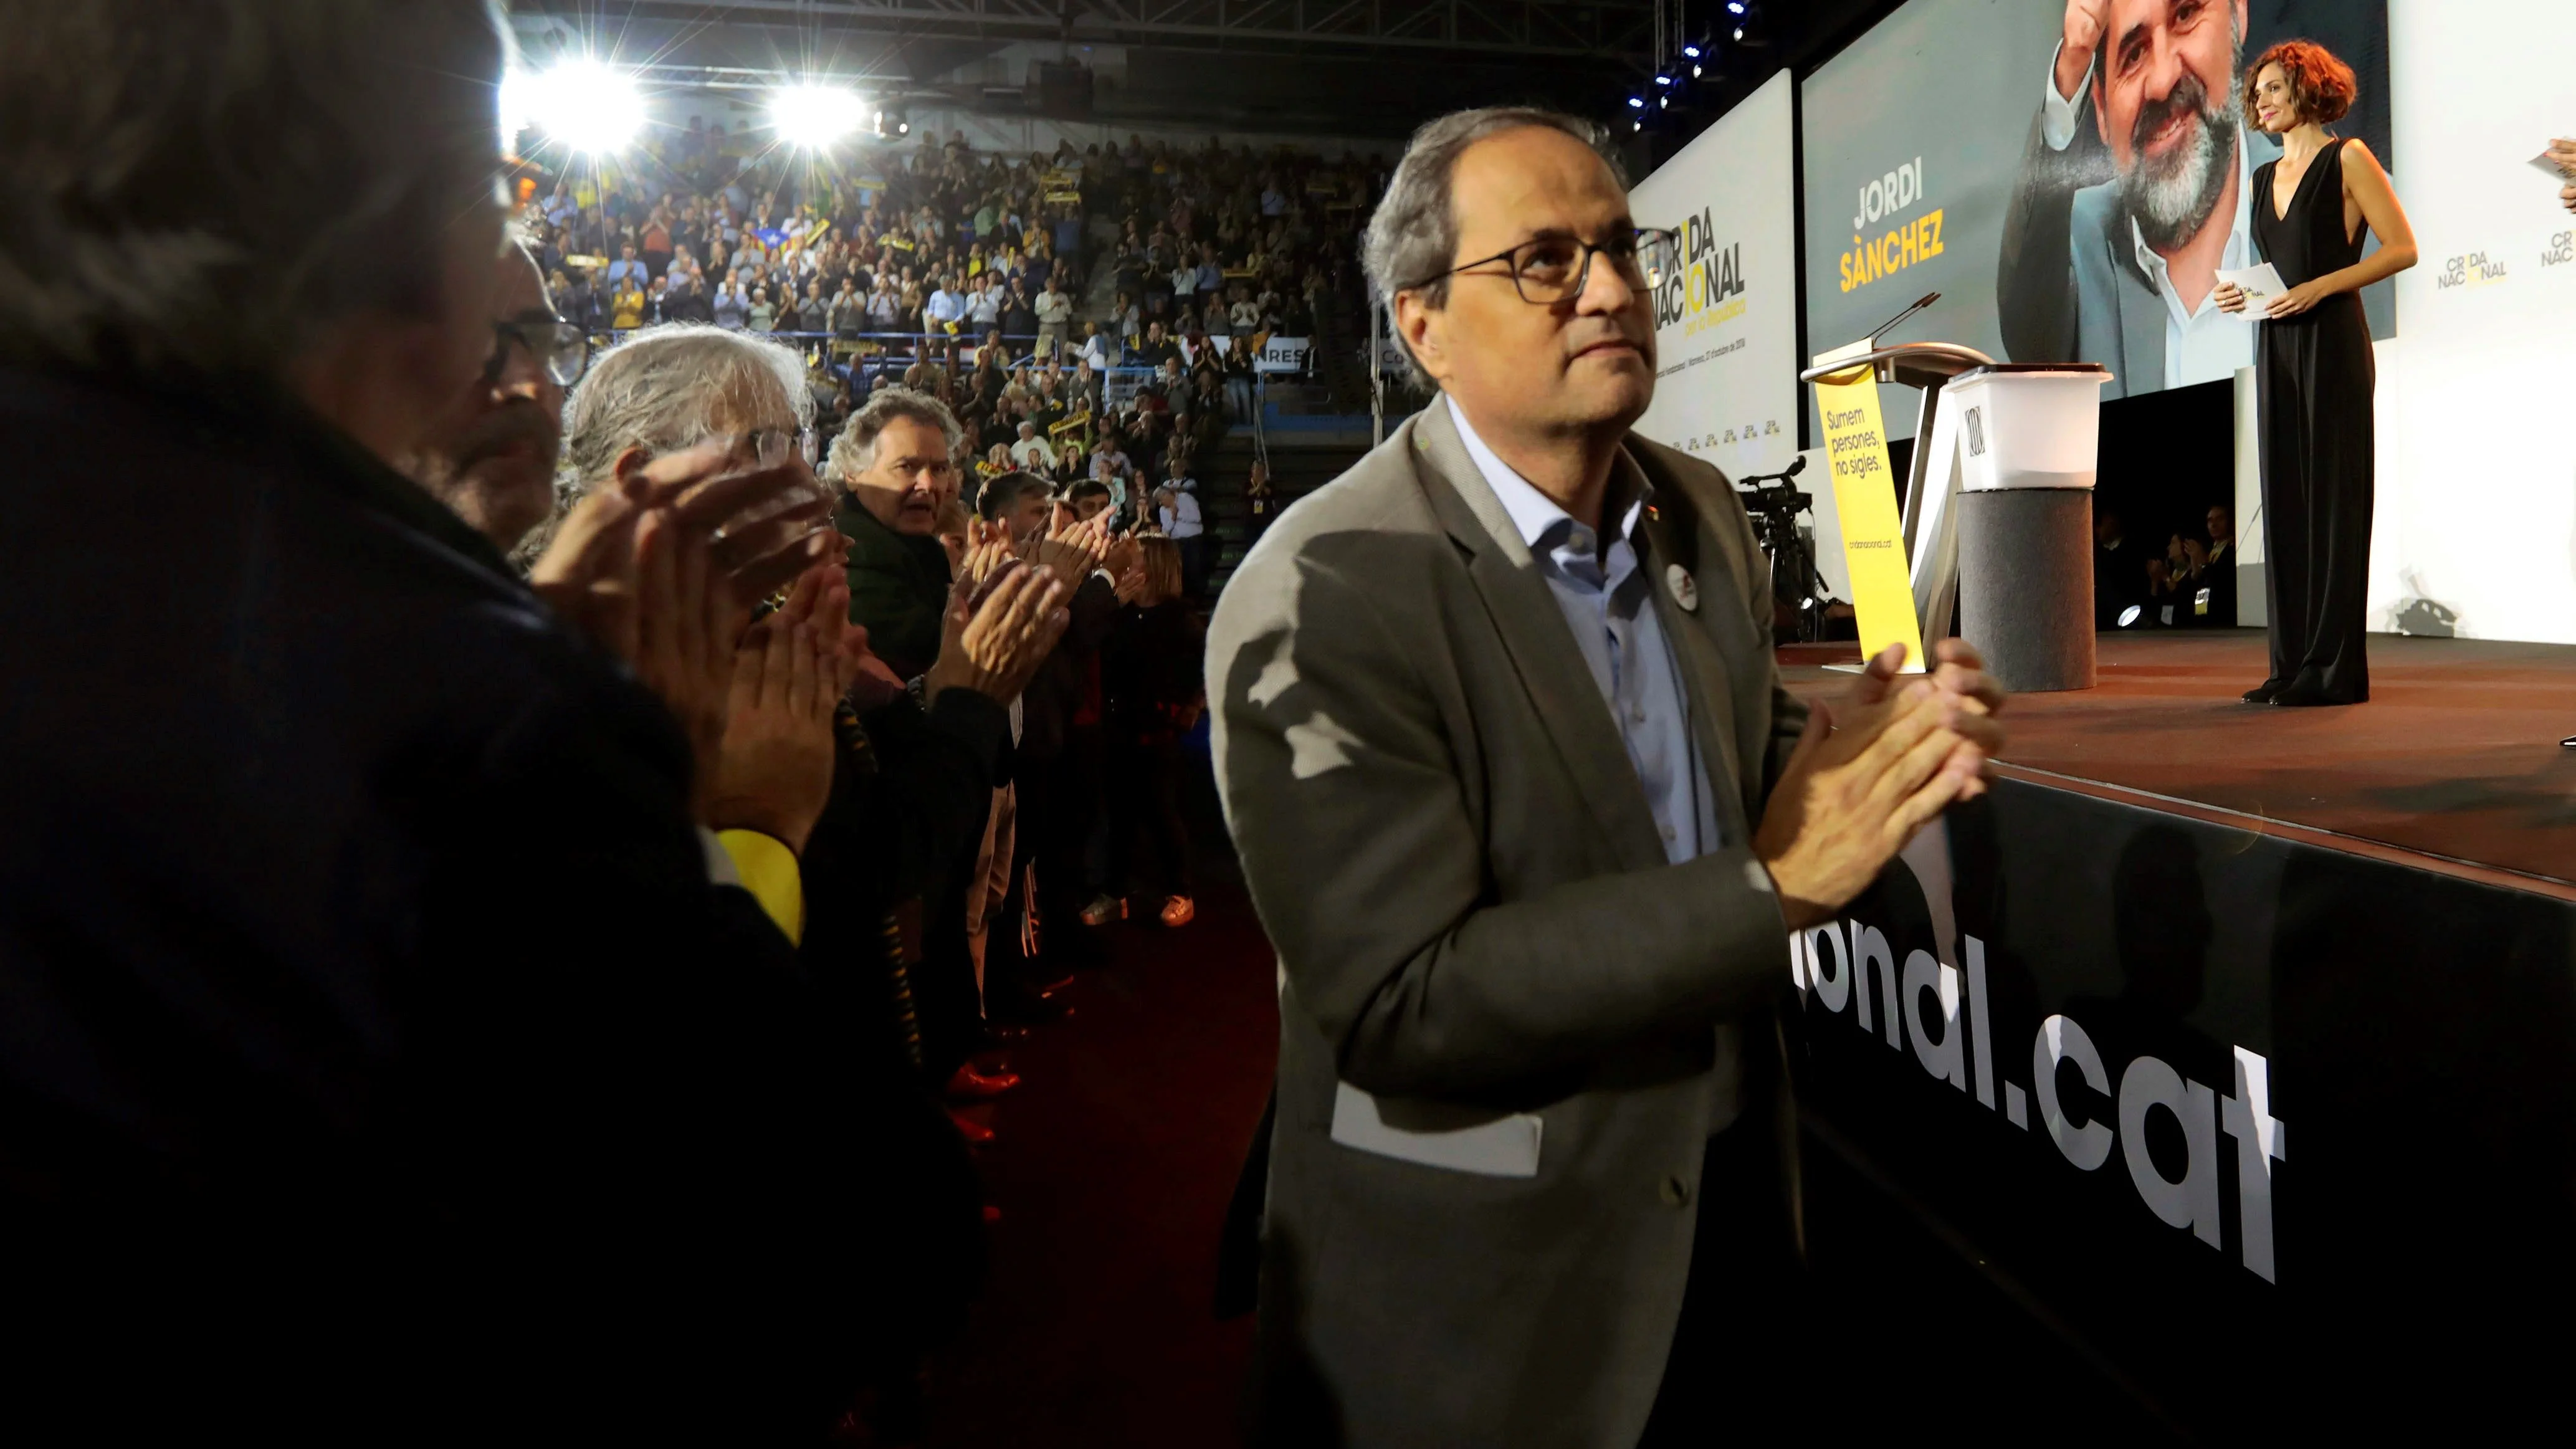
<point>1529,819</point>
<point>895,459</point>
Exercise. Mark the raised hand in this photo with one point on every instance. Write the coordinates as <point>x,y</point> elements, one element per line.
<point>685,629</point>
<point>774,768</point>
<point>1132,584</point>
<point>764,525</point>
<point>988,550</point>
<point>2086,22</point>
<point>1073,548</point>
<point>994,645</point>
<point>1860,783</point>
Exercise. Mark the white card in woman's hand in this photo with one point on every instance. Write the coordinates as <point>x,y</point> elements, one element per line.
<point>2260,283</point>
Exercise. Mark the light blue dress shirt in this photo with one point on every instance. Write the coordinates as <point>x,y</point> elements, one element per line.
<point>1605,599</point>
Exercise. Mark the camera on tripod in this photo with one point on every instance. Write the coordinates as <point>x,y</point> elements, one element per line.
<point>1775,503</point>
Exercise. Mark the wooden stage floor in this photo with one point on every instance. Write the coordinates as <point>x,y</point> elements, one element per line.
<point>2454,764</point>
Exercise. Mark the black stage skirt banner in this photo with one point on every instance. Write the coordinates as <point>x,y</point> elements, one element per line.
<point>2281,1135</point>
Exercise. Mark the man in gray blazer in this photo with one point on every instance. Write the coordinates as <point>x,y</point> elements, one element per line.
<point>1529,818</point>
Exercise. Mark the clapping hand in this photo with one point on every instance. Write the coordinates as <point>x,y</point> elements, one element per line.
<point>1870,771</point>
<point>1131,584</point>
<point>993,644</point>
<point>850,670</point>
<point>759,527</point>
<point>1073,548</point>
<point>988,549</point>
<point>774,769</point>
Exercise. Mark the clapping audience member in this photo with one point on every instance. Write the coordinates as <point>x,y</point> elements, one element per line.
<point>403,1001</point>
<point>894,460</point>
<point>1177,511</point>
<point>1057,784</point>
<point>1150,672</point>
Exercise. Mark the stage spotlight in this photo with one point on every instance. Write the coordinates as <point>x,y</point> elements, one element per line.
<point>815,116</point>
<point>1690,52</point>
<point>1637,103</point>
<point>1735,7</point>
<point>1694,72</point>
<point>1663,80</point>
<point>1739,32</point>
<point>583,104</point>
<point>2130,615</point>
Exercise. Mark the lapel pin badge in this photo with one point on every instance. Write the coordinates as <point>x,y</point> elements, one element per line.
<point>1685,588</point>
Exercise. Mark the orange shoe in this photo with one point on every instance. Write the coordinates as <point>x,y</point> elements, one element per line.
<point>1178,911</point>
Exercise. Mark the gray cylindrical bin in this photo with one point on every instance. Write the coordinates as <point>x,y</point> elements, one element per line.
<point>2028,437</point>
<point>2026,585</point>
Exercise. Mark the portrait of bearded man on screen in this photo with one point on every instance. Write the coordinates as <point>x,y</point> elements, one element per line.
<point>2135,184</point>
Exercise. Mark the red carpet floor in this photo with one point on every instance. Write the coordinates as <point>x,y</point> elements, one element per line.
<point>1113,1167</point>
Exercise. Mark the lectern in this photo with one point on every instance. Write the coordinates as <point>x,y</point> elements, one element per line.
<point>2021,441</point>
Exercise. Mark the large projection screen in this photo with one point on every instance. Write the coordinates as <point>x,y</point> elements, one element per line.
<point>2066,232</point>
<point>1726,335</point>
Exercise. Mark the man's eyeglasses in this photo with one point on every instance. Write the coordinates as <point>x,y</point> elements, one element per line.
<point>770,447</point>
<point>1552,269</point>
<point>560,347</point>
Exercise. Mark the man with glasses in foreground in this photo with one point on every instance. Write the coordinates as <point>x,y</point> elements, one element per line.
<point>492,457</point>
<point>1530,820</point>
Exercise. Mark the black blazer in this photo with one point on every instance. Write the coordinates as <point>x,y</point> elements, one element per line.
<point>375,1059</point>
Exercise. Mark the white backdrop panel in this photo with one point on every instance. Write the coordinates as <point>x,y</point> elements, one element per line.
<point>1727,333</point>
<point>2476,526</point>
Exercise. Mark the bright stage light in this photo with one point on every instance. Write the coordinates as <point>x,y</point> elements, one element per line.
<point>583,104</point>
<point>815,116</point>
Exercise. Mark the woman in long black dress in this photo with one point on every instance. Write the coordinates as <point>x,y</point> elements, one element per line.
<point>2314,370</point>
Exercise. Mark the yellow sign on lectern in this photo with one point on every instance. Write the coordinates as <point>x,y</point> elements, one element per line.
<point>1865,499</point>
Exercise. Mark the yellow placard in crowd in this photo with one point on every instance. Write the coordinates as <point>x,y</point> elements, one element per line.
<point>1865,499</point>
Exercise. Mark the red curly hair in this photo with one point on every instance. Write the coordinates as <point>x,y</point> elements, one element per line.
<point>2322,87</point>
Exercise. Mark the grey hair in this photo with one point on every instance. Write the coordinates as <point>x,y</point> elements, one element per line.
<point>667,387</point>
<point>1414,232</point>
<point>855,451</point>
<point>195,191</point>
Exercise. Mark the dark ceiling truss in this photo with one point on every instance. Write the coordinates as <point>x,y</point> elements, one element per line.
<point>1619,31</point>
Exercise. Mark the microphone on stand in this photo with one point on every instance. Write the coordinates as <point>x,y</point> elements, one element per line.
<point>1883,328</point>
